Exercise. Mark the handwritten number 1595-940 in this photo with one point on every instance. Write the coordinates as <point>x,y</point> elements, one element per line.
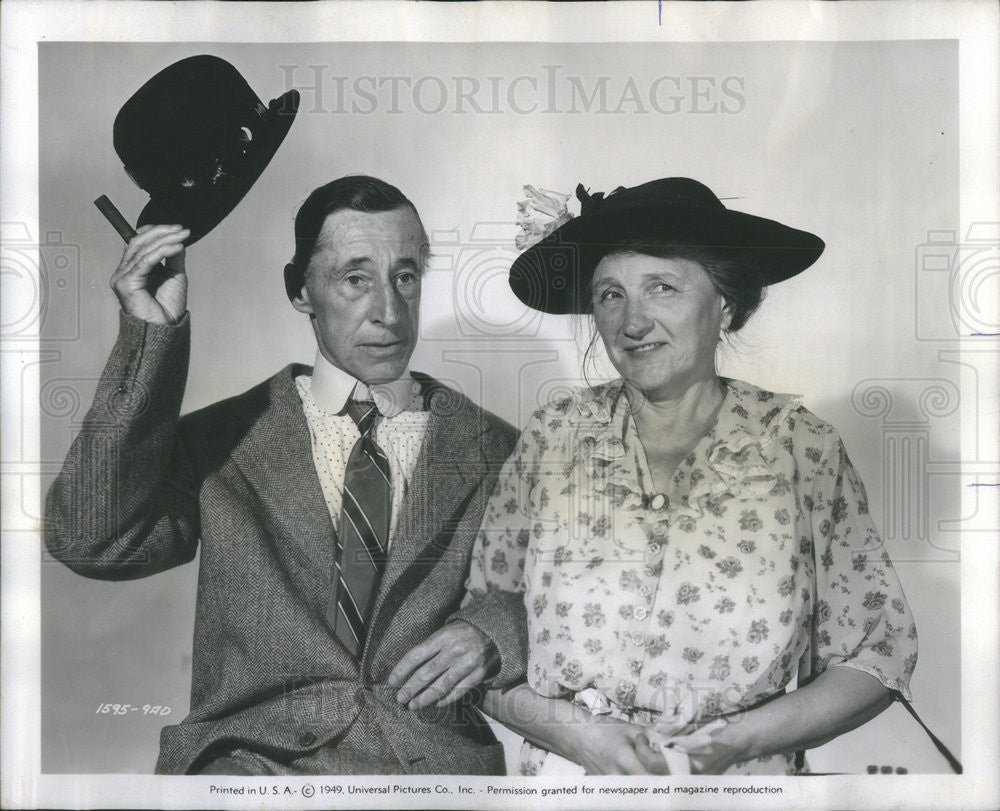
<point>126,709</point>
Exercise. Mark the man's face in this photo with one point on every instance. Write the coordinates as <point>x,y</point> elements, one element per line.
<point>363,290</point>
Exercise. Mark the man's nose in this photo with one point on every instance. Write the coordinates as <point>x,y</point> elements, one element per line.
<point>386,308</point>
<point>637,323</point>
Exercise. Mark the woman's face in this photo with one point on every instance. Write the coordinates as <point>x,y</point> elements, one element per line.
<point>660,321</point>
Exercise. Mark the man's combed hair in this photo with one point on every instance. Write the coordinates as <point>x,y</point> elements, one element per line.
<point>355,192</point>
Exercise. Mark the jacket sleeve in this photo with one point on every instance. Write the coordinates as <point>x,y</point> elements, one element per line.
<point>125,504</point>
<point>501,616</point>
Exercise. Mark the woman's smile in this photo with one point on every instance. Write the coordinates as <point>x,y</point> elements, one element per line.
<point>645,349</point>
<point>639,297</point>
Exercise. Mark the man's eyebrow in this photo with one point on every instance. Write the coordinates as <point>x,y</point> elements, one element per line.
<point>407,263</point>
<point>354,263</point>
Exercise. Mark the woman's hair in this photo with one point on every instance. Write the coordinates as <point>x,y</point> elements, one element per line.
<point>735,275</point>
<point>355,192</point>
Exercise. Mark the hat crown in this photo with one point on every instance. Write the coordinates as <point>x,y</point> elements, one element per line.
<point>553,274</point>
<point>667,191</point>
<point>186,119</point>
<point>196,138</point>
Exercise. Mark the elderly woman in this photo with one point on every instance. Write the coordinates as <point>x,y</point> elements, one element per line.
<point>691,548</point>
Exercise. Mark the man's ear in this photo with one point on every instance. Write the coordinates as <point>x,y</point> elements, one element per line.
<point>296,290</point>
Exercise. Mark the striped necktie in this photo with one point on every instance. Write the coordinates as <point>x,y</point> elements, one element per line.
<point>364,532</point>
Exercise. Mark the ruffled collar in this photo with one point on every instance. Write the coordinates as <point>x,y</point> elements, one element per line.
<point>734,451</point>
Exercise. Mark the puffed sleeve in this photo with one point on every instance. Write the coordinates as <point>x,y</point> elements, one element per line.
<point>499,554</point>
<point>862,619</point>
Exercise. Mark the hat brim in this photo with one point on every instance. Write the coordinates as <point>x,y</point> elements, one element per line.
<point>553,276</point>
<point>202,219</point>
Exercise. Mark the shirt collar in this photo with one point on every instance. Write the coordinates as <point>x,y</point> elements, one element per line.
<point>332,387</point>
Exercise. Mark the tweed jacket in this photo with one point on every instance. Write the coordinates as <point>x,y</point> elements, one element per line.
<point>141,487</point>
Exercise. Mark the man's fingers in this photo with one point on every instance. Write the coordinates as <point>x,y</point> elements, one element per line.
<point>430,671</point>
<point>147,235</point>
<point>456,669</point>
<point>141,255</point>
<point>420,678</point>
<point>434,690</point>
<point>152,258</point>
<point>175,261</point>
<point>415,657</point>
<point>462,687</point>
<point>652,761</point>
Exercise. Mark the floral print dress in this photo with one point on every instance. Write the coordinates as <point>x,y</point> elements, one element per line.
<point>702,599</point>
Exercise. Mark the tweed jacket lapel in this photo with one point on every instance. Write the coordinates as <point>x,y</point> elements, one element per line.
<point>449,469</point>
<point>275,456</point>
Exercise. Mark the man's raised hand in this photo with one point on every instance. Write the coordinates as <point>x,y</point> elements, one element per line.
<point>147,289</point>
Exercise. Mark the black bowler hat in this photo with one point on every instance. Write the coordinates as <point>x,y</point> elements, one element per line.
<point>553,275</point>
<point>196,138</point>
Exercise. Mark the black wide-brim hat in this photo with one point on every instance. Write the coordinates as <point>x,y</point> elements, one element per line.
<point>196,138</point>
<point>554,275</point>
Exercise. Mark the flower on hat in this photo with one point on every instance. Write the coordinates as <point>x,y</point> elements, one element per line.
<point>538,215</point>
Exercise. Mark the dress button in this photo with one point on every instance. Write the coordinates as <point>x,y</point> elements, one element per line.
<point>644,591</point>
<point>307,737</point>
<point>654,549</point>
<point>640,614</point>
<point>658,501</point>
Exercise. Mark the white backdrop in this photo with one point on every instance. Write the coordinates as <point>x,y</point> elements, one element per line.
<point>855,141</point>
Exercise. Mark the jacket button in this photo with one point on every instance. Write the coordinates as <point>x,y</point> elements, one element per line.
<point>307,737</point>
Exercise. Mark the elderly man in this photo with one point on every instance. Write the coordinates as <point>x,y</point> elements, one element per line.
<point>335,507</point>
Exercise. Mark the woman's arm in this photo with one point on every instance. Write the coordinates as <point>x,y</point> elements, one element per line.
<point>602,745</point>
<point>835,702</point>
